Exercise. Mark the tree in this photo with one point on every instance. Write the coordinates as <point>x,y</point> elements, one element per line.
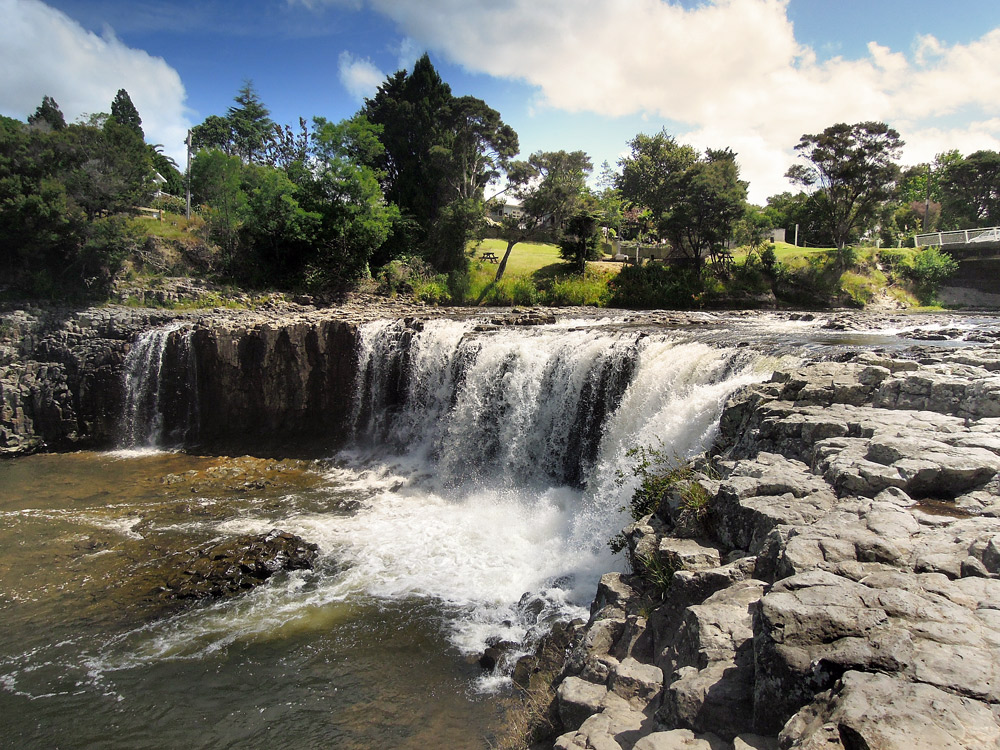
<point>48,115</point>
<point>252,126</point>
<point>693,200</point>
<point>852,171</point>
<point>216,183</point>
<point>440,153</point>
<point>580,240</point>
<point>410,108</point>
<point>354,217</point>
<point>246,131</point>
<point>650,173</point>
<point>970,190</point>
<point>215,132</point>
<point>126,114</point>
<point>548,187</point>
<point>707,200</point>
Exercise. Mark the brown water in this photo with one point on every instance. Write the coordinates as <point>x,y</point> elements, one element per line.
<point>90,657</point>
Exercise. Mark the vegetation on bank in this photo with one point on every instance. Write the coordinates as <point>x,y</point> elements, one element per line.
<point>396,199</point>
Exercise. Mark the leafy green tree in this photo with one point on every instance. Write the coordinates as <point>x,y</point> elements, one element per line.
<point>693,200</point>
<point>548,187</point>
<point>708,198</point>
<point>214,133</point>
<point>275,230</point>
<point>440,153</point>
<point>580,240</point>
<point>115,175</point>
<point>650,173</point>
<point>354,217</point>
<point>970,190</point>
<point>217,184</point>
<point>788,210</point>
<point>853,173</point>
<point>125,113</point>
<point>410,109</point>
<point>48,115</point>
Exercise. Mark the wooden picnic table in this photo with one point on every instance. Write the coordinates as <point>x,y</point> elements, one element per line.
<point>491,257</point>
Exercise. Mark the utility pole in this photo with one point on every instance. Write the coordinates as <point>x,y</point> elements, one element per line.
<point>796,235</point>
<point>187,212</point>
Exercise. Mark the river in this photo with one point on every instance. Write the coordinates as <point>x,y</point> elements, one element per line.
<point>485,473</point>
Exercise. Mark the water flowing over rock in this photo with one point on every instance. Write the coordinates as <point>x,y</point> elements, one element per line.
<point>825,575</point>
<point>237,565</point>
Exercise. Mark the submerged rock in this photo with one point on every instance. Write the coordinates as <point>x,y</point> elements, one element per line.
<point>238,565</point>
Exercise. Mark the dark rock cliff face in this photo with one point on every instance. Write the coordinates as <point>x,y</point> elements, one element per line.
<point>60,376</point>
<point>227,378</point>
<point>273,382</point>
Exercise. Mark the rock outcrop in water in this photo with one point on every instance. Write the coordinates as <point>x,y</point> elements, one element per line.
<point>833,581</point>
<point>238,565</point>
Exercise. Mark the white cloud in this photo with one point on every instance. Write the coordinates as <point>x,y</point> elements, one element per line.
<point>359,76</point>
<point>44,52</point>
<point>731,71</point>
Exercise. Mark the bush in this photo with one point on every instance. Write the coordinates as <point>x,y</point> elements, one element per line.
<point>109,241</point>
<point>404,276</point>
<point>654,285</point>
<point>170,203</point>
<point>928,269</point>
<point>433,292</point>
<point>511,292</point>
<point>588,290</point>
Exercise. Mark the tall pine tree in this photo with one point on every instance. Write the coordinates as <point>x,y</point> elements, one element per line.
<point>126,114</point>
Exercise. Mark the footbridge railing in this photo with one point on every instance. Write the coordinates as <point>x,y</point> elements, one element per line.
<point>958,237</point>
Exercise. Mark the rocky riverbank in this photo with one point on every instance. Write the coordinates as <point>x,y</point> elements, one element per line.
<point>828,578</point>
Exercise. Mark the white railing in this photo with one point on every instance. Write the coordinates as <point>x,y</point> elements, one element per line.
<point>958,237</point>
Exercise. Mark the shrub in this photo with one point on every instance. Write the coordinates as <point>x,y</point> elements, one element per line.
<point>434,291</point>
<point>654,285</point>
<point>928,269</point>
<point>511,292</point>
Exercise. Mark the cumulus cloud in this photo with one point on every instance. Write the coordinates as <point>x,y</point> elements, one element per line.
<point>44,52</point>
<point>361,77</point>
<point>731,71</point>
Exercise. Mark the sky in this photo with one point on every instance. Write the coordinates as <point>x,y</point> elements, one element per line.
<point>751,75</point>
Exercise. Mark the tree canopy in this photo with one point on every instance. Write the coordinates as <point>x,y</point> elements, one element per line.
<point>852,172</point>
<point>693,200</point>
<point>440,152</point>
<point>125,113</point>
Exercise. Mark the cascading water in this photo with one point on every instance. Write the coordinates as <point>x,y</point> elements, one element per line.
<point>488,469</point>
<point>155,388</point>
<point>494,461</point>
<point>474,503</point>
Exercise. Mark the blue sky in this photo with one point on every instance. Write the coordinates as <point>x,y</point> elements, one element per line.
<point>572,74</point>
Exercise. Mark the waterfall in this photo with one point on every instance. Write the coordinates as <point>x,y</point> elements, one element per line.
<point>498,461</point>
<point>485,470</point>
<point>161,390</point>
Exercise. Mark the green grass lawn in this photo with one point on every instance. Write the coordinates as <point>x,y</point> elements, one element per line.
<point>525,258</point>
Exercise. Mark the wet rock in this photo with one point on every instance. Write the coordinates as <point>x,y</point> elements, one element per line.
<point>238,564</point>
